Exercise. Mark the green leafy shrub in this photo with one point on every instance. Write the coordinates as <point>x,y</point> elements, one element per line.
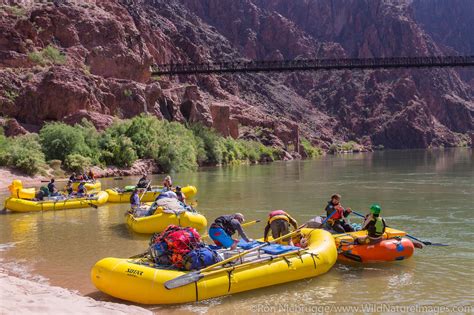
<point>209,144</point>
<point>309,150</point>
<point>22,153</point>
<point>48,55</point>
<point>349,146</point>
<point>77,163</point>
<point>59,140</point>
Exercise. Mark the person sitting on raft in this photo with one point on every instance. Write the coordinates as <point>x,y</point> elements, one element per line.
<point>85,177</point>
<point>168,183</point>
<point>375,226</point>
<point>73,177</point>
<point>81,189</point>
<point>338,220</point>
<point>68,189</point>
<point>91,175</point>
<point>143,181</point>
<point>53,191</point>
<point>181,196</point>
<point>279,222</point>
<point>135,199</point>
<point>224,227</point>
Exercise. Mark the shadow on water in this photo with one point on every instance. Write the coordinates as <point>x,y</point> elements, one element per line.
<point>121,230</point>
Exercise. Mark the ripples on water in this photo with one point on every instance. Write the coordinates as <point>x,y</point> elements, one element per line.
<point>427,193</point>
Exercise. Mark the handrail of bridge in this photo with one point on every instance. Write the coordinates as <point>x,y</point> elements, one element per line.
<point>312,64</point>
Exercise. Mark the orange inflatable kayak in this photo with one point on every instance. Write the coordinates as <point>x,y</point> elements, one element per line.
<point>394,247</point>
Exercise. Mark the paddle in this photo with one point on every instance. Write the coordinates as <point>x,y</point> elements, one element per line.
<point>197,275</point>
<point>56,180</point>
<point>146,189</point>
<point>408,235</point>
<point>235,267</point>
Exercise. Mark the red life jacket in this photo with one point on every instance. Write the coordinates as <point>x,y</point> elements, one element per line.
<point>339,213</point>
<point>277,212</point>
<point>278,215</point>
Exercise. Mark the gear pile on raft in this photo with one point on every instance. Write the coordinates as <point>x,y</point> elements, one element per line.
<point>180,265</point>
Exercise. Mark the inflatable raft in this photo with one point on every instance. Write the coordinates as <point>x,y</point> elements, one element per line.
<point>159,221</point>
<point>394,247</point>
<point>90,185</point>
<point>140,281</point>
<point>55,203</point>
<point>123,195</point>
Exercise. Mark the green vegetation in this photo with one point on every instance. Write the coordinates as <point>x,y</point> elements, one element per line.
<point>22,152</point>
<point>343,147</point>
<point>309,150</point>
<point>127,92</point>
<point>11,95</point>
<point>48,55</point>
<point>173,146</point>
<point>15,10</point>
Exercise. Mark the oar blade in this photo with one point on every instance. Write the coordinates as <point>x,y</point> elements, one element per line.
<point>352,256</point>
<point>183,280</point>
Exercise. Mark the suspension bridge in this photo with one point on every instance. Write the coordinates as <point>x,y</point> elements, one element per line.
<point>312,65</point>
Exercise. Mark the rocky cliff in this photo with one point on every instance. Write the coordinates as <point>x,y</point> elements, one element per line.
<point>68,60</point>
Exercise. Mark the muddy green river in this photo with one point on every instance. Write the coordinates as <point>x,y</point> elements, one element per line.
<point>429,194</point>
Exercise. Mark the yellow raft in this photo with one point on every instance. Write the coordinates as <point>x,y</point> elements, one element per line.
<point>159,221</point>
<point>136,281</point>
<point>25,205</point>
<point>90,185</point>
<point>118,195</point>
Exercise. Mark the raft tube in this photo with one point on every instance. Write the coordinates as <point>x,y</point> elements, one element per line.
<point>90,185</point>
<point>132,280</point>
<point>393,247</point>
<point>24,205</point>
<point>160,221</point>
<point>121,196</point>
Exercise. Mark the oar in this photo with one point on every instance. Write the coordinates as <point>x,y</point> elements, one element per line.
<point>118,178</point>
<point>258,261</point>
<point>146,189</point>
<point>408,235</point>
<point>197,275</point>
<point>243,225</point>
<point>56,180</point>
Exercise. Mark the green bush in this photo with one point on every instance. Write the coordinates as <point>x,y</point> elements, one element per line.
<point>209,144</point>
<point>22,153</point>
<point>77,163</point>
<point>48,55</point>
<point>349,146</point>
<point>309,150</point>
<point>59,140</point>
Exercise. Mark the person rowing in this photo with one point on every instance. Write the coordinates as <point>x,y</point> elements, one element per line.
<point>224,227</point>
<point>143,182</point>
<point>338,220</point>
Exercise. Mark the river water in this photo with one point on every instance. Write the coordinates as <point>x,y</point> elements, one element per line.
<point>426,193</point>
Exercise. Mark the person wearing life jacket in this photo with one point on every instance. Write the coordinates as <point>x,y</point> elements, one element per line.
<point>375,226</point>
<point>81,189</point>
<point>134,199</point>
<point>338,220</point>
<point>68,189</point>
<point>73,177</point>
<point>143,181</point>
<point>279,222</point>
<point>168,183</point>
<point>224,227</point>
<point>91,175</point>
<point>180,194</point>
<point>53,191</point>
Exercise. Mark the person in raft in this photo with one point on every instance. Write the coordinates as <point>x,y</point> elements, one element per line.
<point>181,196</point>
<point>224,227</point>
<point>279,222</point>
<point>91,175</point>
<point>81,189</point>
<point>375,226</point>
<point>168,183</point>
<point>143,181</point>
<point>338,219</point>
<point>53,191</point>
<point>68,189</point>
<point>135,199</point>
<point>73,177</point>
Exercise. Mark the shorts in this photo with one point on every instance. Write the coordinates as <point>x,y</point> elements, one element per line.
<point>220,237</point>
<point>280,228</point>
